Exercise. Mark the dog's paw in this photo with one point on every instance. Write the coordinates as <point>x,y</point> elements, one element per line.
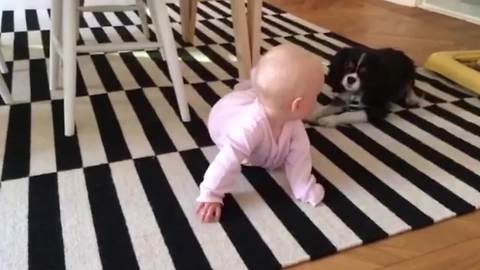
<point>412,99</point>
<point>311,120</point>
<point>318,112</point>
<point>328,121</point>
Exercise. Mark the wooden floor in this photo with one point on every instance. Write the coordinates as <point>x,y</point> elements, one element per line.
<point>450,245</point>
<point>378,23</point>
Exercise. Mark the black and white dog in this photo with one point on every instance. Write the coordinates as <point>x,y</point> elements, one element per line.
<point>366,82</point>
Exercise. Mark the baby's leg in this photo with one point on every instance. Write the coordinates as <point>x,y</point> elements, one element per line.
<point>307,190</point>
<point>303,184</point>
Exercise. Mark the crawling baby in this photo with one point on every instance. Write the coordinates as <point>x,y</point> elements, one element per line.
<point>260,124</point>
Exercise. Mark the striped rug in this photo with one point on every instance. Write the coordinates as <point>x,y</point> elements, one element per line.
<point>120,194</point>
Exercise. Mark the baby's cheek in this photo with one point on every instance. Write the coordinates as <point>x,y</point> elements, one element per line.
<point>311,105</point>
<point>308,109</point>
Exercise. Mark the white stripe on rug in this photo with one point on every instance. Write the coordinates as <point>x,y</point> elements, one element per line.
<point>14,229</point>
<point>79,238</point>
<point>147,240</point>
<point>211,236</point>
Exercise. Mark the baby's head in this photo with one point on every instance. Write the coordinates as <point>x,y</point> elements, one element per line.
<point>288,80</point>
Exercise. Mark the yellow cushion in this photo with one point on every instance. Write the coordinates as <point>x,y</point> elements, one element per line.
<point>447,64</point>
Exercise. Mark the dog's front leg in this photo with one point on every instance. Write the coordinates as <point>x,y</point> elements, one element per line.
<point>323,111</point>
<point>412,99</point>
<point>343,119</point>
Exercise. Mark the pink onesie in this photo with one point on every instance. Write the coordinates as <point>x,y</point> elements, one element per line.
<point>239,127</point>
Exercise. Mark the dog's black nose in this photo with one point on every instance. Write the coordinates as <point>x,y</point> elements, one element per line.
<point>351,80</point>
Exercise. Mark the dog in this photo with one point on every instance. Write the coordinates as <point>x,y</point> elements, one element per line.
<point>365,82</point>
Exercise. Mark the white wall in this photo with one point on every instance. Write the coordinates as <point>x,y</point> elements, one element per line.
<point>468,7</point>
<point>468,10</point>
<point>410,3</point>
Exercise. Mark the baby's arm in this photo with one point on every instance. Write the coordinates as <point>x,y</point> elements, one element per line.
<point>298,169</point>
<point>224,170</point>
<point>219,179</point>
<point>221,174</point>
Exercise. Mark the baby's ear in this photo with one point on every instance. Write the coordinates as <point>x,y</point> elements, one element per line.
<point>296,103</point>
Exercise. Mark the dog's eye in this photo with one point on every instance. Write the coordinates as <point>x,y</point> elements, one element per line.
<point>350,66</point>
<point>362,70</point>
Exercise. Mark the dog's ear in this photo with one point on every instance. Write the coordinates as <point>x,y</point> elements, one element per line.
<point>336,69</point>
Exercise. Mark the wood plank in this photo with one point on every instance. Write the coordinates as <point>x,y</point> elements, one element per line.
<point>464,256</point>
<point>404,247</point>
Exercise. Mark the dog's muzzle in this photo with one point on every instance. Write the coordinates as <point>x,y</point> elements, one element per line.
<point>351,82</point>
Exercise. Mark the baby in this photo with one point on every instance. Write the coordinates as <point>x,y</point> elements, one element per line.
<point>260,124</point>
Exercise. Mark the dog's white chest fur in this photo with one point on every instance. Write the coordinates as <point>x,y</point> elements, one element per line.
<point>353,101</point>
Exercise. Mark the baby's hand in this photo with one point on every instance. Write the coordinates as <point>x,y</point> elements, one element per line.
<point>209,212</point>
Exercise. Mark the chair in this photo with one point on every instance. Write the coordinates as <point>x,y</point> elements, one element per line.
<point>138,6</point>
<point>63,46</point>
<point>246,26</point>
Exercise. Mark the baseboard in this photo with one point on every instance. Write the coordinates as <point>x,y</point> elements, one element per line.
<point>451,13</point>
<point>409,3</point>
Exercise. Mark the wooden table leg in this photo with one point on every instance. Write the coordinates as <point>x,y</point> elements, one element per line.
<point>188,14</point>
<point>246,27</point>
<point>242,43</point>
<point>255,28</point>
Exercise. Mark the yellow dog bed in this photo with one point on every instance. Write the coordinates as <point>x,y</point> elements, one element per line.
<point>462,67</point>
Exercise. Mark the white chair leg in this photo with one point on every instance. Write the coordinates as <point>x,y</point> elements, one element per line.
<point>7,98</point>
<point>81,3</point>
<point>70,28</point>
<point>154,16</point>
<point>164,31</point>
<point>56,31</point>
<point>143,17</point>
<point>3,65</point>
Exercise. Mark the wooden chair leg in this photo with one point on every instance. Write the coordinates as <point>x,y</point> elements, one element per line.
<point>255,28</point>
<point>188,13</point>
<point>242,43</point>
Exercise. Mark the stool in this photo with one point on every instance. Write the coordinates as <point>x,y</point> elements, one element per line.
<point>63,45</point>
<point>246,27</point>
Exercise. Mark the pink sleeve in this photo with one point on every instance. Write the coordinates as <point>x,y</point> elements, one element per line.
<point>225,169</point>
<point>298,169</point>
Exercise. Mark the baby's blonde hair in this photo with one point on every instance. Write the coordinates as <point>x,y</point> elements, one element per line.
<point>285,73</point>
